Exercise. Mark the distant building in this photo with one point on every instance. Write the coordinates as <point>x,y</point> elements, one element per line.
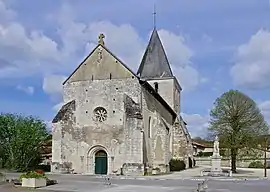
<point>201,147</point>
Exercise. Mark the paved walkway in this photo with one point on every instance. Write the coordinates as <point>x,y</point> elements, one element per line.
<point>79,183</point>
<point>193,173</point>
<point>243,173</point>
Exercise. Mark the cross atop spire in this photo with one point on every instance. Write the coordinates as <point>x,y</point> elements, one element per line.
<point>154,16</point>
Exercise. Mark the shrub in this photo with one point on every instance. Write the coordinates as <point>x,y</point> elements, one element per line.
<point>205,154</point>
<point>156,168</point>
<point>33,174</point>
<point>45,168</point>
<point>177,165</point>
<point>256,164</point>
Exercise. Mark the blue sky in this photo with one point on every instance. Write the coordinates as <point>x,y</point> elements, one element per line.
<point>213,46</point>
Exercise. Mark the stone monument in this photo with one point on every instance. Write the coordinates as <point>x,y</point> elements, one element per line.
<point>216,159</point>
<point>215,170</point>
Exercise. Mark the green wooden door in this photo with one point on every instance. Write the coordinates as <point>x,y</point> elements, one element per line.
<point>101,163</point>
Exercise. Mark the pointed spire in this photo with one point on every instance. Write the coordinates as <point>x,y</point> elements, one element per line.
<point>154,63</point>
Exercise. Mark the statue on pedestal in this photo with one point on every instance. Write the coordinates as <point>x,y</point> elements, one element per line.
<point>216,146</point>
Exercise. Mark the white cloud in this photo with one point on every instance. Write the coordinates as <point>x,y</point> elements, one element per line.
<point>265,108</point>
<point>58,106</point>
<point>125,41</point>
<point>196,124</point>
<point>25,53</point>
<point>52,85</point>
<point>252,68</point>
<point>6,13</point>
<point>179,55</point>
<point>34,52</point>
<point>28,89</point>
<point>30,52</point>
<point>49,125</point>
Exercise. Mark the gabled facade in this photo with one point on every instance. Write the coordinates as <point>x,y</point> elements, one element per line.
<point>113,120</point>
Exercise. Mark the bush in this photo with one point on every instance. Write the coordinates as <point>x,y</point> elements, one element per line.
<point>45,168</point>
<point>177,165</point>
<point>33,174</point>
<point>256,164</point>
<point>156,168</point>
<point>205,154</point>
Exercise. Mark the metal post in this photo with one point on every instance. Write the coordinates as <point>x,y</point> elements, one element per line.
<point>265,163</point>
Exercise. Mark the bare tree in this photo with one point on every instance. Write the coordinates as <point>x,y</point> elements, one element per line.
<point>237,120</point>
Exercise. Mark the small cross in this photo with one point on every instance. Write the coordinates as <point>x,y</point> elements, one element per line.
<point>101,39</point>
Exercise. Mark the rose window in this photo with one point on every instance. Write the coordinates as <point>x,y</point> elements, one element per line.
<point>100,114</point>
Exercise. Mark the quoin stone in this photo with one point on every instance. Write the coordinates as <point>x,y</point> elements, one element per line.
<point>115,121</point>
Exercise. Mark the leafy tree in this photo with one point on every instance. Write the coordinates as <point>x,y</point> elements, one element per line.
<point>237,121</point>
<point>21,139</point>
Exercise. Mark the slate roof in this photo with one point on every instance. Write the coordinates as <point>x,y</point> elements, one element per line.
<point>65,109</point>
<point>154,63</point>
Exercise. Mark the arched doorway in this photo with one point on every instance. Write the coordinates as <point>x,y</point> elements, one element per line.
<point>101,162</point>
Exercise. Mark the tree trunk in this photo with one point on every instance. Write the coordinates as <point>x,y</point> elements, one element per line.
<point>233,159</point>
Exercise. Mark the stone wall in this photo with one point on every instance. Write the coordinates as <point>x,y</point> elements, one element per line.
<point>83,135</point>
<point>206,161</point>
<point>135,129</point>
<point>158,132</point>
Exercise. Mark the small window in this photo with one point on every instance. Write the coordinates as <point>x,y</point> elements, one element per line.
<point>110,76</point>
<point>156,86</point>
<point>167,130</point>
<point>149,128</point>
<point>100,114</point>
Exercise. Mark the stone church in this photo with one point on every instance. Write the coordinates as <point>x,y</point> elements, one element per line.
<point>115,121</point>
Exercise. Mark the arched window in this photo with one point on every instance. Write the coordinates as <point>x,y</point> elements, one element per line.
<point>149,128</point>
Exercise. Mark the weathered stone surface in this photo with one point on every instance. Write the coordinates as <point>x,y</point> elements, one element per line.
<point>109,108</point>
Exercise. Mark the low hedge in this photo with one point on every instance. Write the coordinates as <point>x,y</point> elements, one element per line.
<point>256,164</point>
<point>45,168</point>
<point>177,165</point>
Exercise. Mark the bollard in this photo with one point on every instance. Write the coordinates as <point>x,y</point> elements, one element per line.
<point>204,183</point>
<point>202,187</point>
<point>107,180</point>
<point>199,187</point>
